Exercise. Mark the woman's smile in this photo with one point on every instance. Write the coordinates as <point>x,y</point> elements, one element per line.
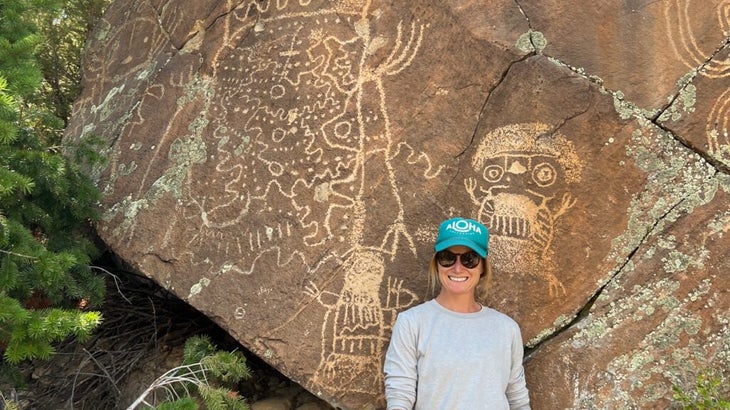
<point>457,278</point>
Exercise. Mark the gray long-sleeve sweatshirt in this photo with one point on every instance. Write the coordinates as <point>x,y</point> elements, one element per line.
<point>440,359</point>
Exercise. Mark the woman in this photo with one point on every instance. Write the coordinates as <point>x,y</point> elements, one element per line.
<point>452,352</point>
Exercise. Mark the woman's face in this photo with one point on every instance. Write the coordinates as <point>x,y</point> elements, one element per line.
<point>457,279</point>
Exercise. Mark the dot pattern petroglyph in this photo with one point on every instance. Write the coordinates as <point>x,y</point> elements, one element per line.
<point>307,83</point>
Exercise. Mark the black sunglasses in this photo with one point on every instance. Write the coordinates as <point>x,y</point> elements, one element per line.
<point>469,260</point>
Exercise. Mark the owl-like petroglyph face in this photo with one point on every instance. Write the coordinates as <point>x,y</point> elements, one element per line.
<point>525,171</point>
<point>514,187</point>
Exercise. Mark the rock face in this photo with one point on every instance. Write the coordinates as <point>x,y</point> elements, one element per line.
<point>282,166</point>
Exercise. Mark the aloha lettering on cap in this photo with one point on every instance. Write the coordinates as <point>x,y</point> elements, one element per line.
<point>464,232</point>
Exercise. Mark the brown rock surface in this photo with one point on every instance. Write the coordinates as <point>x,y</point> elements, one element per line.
<point>282,166</point>
<point>662,318</point>
<point>639,47</point>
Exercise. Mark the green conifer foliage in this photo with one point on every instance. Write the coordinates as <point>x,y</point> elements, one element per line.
<point>207,375</point>
<point>59,55</point>
<point>47,206</point>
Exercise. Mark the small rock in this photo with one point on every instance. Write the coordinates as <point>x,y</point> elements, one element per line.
<point>273,403</point>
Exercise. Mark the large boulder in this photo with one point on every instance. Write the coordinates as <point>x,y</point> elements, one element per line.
<point>283,165</point>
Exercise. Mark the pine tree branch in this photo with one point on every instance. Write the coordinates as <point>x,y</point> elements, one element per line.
<point>18,255</point>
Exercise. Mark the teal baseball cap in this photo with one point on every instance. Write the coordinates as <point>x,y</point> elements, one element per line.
<point>464,232</point>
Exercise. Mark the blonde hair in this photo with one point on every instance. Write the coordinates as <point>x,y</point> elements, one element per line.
<point>480,293</point>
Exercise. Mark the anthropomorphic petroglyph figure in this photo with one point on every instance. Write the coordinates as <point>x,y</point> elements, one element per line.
<point>358,322</point>
<point>317,138</point>
<point>301,132</point>
<point>525,171</point>
<point>302,150</point>
<point>306,93</point>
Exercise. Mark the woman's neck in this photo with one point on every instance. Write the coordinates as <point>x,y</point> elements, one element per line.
<point>461,303</point>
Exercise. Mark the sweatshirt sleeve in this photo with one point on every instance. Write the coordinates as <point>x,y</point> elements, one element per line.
<point>517,393</point>
<point>400,367</point>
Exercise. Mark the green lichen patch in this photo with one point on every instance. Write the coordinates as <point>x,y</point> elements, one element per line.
<point>558,323</point>
<point>531,41</point>
<point>680,344</point>
<point>685,101</point>
<point>644,300</point>
<point>184,152</point>
<point>677,181</point>
<point>627,109</point>
<point>198,287</point>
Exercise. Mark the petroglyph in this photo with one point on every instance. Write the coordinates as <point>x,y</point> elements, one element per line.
<point>282,164</point>
<point>681,34</point>
<point>526,170</point>
<point>357,324</point>
<point>314,110</point>
<point>308,85</point>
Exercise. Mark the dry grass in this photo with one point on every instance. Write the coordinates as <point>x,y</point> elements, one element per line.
<point>144,327</point>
